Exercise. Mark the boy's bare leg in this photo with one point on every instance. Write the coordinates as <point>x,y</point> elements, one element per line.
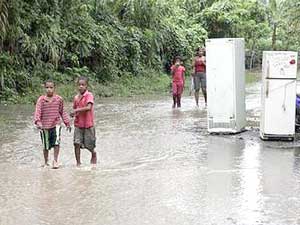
<point>56,152</point>
<point>205,95</point>
<point>46,156</point>
<point>174,101</point>
<point>203,88</point>
<point>93,156</point>
<point>77,154</point>
<point>178,101</point>
<point>197,97</point>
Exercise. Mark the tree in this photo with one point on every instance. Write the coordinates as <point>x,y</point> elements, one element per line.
<point>291,24</point>
<point>3,20</point>
<point>275,8</point>
<point>107,39</point>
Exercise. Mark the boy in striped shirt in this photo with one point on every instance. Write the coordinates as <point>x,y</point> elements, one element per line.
<point>48,113</point>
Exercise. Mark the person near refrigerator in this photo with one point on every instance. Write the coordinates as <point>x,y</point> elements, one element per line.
<point>177,72</point>
<point>199,74</point>
<point>297,119</point>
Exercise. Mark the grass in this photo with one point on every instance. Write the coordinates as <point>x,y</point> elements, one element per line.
<point>253,76</point>
<point>129,86</point>
<point>125,86</point>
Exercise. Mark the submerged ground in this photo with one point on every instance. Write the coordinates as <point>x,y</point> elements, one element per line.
<point>157,166</point>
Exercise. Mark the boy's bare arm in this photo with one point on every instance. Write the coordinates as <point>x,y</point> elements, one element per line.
<point>193,68</point>
<point>172,72</point>
<point>83,109</point>
<point>37,115</point>
<point>64,114</point>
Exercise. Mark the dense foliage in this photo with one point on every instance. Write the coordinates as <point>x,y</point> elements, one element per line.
<point>109,39</point>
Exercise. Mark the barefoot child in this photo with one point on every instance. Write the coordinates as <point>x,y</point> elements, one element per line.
<point>177,71</point>
<point>84,133</point>
<point>48,113</point>
<point>199,74</point>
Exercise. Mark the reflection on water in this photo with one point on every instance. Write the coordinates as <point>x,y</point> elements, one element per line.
<point>251,184</point>
<point>156,166</point>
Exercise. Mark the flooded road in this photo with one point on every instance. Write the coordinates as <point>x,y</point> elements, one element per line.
<point>157,166</point>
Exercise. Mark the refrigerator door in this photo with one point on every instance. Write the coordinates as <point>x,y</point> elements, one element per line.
<point>279,65</point>
<point>220,83</point>
<point>278,113</point>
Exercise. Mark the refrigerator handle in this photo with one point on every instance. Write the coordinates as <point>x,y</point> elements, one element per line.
<point>284,98</point>
<point>267,89</point>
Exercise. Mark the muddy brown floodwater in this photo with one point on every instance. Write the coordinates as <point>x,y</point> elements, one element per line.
<point>157,166</point>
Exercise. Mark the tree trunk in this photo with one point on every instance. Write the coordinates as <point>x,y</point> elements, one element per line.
<point>274,36</point>
<point>252,60</point>
<point>252,56</point>
<point>2,81</point>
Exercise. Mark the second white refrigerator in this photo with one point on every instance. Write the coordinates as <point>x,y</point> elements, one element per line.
<point>278,95</point>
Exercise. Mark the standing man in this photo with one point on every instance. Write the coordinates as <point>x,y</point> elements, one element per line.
<point>199,74</point>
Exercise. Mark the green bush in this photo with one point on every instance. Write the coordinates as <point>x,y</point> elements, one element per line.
<point>114,42</point>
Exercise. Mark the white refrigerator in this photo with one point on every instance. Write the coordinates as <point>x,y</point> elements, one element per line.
<point>225,74</point>
<point>278,95</point>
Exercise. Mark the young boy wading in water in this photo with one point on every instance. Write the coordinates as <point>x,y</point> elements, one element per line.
<point>84,133</point>
<point>48,113</point>
<point>177,72</point>
<point>199,74</point>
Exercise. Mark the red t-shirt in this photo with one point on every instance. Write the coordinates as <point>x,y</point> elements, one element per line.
<point>199,65</point>
<point>177,73</point>
<point>84,119</point>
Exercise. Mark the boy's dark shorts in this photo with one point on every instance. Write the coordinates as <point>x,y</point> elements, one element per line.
<point>51,137</point>
<point>86,137</point>
<point>200,79</point>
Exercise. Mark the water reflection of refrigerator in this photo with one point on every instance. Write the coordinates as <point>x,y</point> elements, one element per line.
<point>278,96</point>
<point>225,68</point>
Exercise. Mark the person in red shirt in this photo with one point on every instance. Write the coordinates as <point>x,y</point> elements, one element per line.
<point>199,74</point>
<point>177,72</point>
<point>83,110</point>
<point>47,117</point>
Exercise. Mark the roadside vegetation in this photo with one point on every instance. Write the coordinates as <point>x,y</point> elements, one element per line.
<point>126,47</point>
